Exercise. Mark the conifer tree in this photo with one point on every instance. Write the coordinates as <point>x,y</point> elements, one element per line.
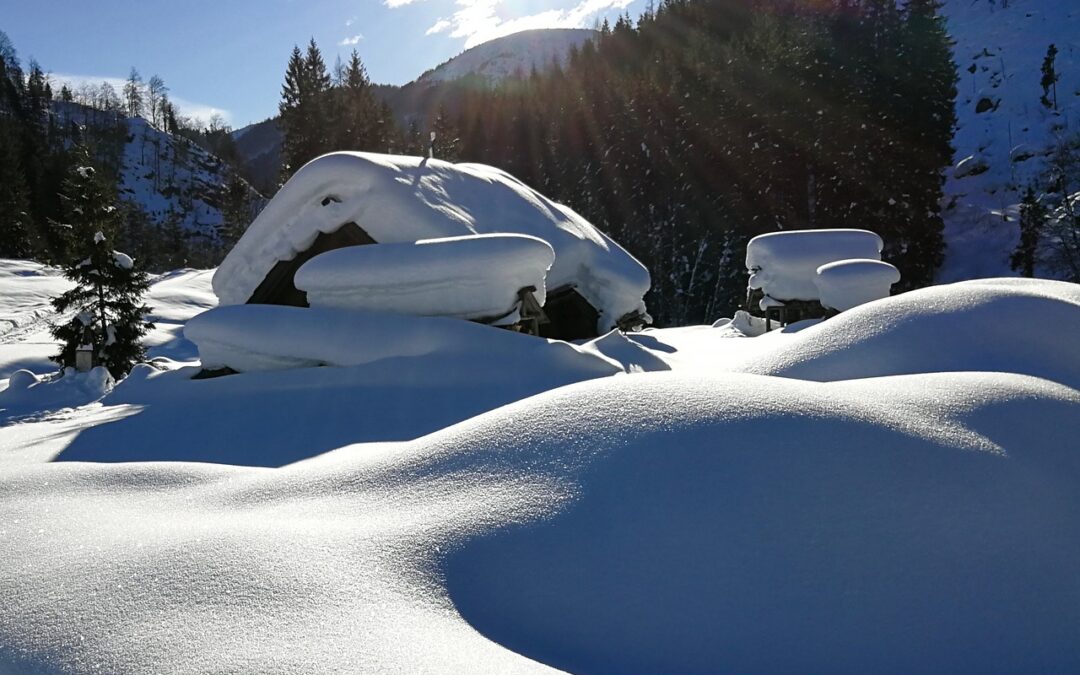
<point>133,93</point>
<point>15,222</point>
<point>305,109</point>
<point>359,124</point>
<point>1050,78</point>
<point>107,296</point>
<point>1033,216</point>
<point>235,210</point>
<point>447,145</point>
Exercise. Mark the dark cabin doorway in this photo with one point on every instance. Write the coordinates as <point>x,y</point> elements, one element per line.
<point>570,316</point>
<point>278,288</point>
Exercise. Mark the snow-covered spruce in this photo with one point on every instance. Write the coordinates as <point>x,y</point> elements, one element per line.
<point>394,199</point>
<point>471,277</point>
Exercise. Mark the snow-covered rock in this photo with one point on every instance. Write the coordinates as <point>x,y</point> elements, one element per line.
<point>973,165</point>
<point>784,264</point>
<point>471,277</point>
<point>849,283</point>
<point>398,199</point>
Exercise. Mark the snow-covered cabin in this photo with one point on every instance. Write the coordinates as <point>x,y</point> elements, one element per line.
<point>805,273</point>
<point>351,199</point>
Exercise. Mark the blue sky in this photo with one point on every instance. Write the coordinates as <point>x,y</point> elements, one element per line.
<point>229,55</point>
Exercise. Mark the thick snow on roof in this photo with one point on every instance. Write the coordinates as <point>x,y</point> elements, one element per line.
<point>784,264</point>
<point>405,199</point>
<point>849,283</point>
<point>472,277</point>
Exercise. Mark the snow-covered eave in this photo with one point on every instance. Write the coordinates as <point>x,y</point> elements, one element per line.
<point>399,199</point>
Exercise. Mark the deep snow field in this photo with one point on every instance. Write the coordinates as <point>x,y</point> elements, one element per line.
<point>896,489</point>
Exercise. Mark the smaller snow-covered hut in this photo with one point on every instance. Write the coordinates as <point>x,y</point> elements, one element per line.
<point>348,199</point>
<point>805,273</point>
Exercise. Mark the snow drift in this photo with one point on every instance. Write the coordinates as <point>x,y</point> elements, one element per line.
<point>405,199</point>
<point>922,491</point>
<point>1022,326</point>
<point>654,523</point>
<point>269,337</point>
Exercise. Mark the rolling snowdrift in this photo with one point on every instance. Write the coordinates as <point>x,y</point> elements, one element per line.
<point>399,199</point>
<point>891,490</point>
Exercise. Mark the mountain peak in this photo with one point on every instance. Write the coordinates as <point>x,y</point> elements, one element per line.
<point>510,55</point>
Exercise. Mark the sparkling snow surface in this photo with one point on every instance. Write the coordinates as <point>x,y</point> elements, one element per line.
<point>891,490</point>
<point>404,199</point>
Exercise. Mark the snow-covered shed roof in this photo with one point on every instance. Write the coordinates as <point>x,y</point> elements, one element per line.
<point>784,265</point>
<point>404,199</point>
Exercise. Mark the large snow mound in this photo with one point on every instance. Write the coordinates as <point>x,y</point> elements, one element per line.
<point>1009,325</point>
<point>923,493</point>
<point>405,199</point>
<point>652,523</point>
<point>784,264</point>
<point>473,277</point>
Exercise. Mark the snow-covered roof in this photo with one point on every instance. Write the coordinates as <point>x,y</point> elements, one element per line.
<point>477,277</point>
<point>784,264</point>
<point>404,199</point>
<point>849,283</point>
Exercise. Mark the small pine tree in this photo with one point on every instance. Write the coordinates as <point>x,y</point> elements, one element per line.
<point>236,210</point>
<point>1050,78</point>
<point>447,144</point>
<point>107,297</point>
<point>1033,216</point>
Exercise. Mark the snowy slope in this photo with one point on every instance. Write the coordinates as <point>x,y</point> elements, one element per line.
<point>1000,46</point>
<point>514,55</point>
<point>817,499</point>
<point>171,178</point>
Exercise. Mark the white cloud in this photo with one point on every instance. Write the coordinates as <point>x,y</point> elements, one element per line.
<point>197,111</point>
<point>397,3</point>
<point>440,26</point>
<point>350,21</point>
<point>349,41</point>
<point>479,21</point>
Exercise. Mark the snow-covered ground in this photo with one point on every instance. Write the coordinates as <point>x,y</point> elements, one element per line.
<point>891,490</point>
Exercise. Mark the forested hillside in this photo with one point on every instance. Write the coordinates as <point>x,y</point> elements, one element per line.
<point>181,204</point>
<point>707,123</point>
